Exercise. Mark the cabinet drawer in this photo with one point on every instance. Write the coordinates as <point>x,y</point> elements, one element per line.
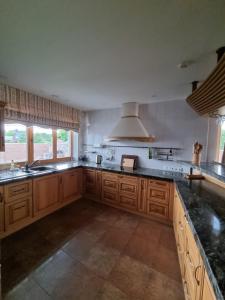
<point>128,186</point>
<point>158,195</point>
<point>110,184</point>
<point>128,202</point>
<point>159,183</point>
<point>18,213</point>
<point>110,181</point>
<point>157,210</point>
<point>90,176</point>
<point>110,197</point>
<point>1,218</point>
<point>15,191</point>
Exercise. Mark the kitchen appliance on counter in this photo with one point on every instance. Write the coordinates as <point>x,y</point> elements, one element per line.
<point>98,159</point>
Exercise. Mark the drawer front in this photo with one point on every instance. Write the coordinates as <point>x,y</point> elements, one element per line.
<point>159,183</point>
<point>15,191</point>
<point>110,197</point>
<point>128,202</point>
<point>128,188</point>
<point>18,213</point>
<point>158,195</point>
<point>108,183</point>
<point>157,210</point>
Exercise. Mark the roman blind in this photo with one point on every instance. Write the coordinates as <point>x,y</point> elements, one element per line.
<point>27,108</point>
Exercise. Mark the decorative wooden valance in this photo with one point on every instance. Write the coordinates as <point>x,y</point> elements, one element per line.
<point>24,107</point>
<point>209,97</point>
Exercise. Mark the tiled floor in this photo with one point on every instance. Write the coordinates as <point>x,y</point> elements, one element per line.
<point>91,251</point>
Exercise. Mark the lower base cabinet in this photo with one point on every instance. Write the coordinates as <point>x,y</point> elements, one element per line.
<point>18,213</point>
<point>46,194</point>
<point>71,185</point>
<point>195,279</point>
<point>1,211</point>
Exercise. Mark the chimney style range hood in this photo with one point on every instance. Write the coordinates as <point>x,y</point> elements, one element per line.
<point>130,127</point>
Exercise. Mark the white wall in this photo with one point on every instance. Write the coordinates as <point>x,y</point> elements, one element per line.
<point>173,123</point>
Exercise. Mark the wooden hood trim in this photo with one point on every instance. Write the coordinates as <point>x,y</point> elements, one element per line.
<point>210,95</point>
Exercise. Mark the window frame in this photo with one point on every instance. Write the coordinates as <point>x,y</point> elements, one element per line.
<point>30,149</point>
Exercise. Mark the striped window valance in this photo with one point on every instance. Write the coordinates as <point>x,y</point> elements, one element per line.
<point>27,108</point>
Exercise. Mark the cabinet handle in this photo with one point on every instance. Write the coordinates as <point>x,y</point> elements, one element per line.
<point>196,273</point>
<point>19,190</point>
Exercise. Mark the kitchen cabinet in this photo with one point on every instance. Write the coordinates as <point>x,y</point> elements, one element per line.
<point>46,194</point>
<point>207,293</point>
<point>1,211</point>
<point>71,185</point>
<point>89,182</point>
<point>128,192</point>
<point>158,199</point>
<point>17,205</point>
<point>194,276</point>
<point>18,213</point>
<point>110,188</point>
<point>142,193</point>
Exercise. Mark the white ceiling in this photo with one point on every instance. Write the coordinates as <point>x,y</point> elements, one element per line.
<point>96,54</point>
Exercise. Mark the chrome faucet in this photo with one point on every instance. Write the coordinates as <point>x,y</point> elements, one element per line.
<point>34,163</point>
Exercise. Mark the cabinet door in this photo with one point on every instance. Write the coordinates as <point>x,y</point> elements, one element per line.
<point>70,186</point>
<point>142,205</point>
<point>128,192</point>
<point>18,213</point>
<point>110,188</point>
<point>46,194</point>
<point>89,181</point>
<point>193,269</point>
<point>208,293</point>
<point>98,185</point>
<point>1,211</point>
<point>157,210</point>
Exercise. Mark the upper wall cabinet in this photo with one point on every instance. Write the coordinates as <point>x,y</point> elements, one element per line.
<point>209,97</point>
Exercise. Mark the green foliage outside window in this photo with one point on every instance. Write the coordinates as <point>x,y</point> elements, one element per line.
<point>222,139</point>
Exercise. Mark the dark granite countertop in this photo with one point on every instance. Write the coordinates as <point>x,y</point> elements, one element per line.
<point>204,204</point>
<point>12,176</point>
<point>214,169</point>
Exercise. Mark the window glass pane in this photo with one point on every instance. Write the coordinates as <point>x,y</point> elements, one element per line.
<point>222,141</point>
<point>42,138</point>
<point>63,143</point>
<point>15,144</point>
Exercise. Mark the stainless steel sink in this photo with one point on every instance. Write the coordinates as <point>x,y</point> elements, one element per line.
<point>41,169</point>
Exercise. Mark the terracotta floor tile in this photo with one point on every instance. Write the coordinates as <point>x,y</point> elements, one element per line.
<point>127,221</point>
<point>28,289</point>
<point>71,282</point>
<point>167,239</point>
<point>96,228</point>
<point>116,238</point>
<point>142,249</point>
<point>80,245</point>
<point>101,260</point>
<point>109,216</point>
<point>166,262</point>
<point>131,277</point>
<point>110,292</point>
<point>149,230</point>
<point>162,287</point>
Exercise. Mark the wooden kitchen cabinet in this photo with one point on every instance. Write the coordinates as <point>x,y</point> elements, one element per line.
<point>128,192</point>
<point>17,190</point>
<point>110,186</point>
<point>207,293</point>
<point>46,194</point>
<point>158,199</point>
<point>71,185</point>
<point>195,279</point>
<point>1,211</point>
<point>142,195</point>
<point>18,213</point>
<point>92,182</point>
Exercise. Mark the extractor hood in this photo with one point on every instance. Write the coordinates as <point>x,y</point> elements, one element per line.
<point>130,127</point>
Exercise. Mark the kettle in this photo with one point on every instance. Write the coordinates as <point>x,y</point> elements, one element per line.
<point>98,159</point>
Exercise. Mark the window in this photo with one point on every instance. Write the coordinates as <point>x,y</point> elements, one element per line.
<point>36,143</point>
<point>221,141</point>
<point>63,143</point>
<point>15,144</point>
<point>43,143</point>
